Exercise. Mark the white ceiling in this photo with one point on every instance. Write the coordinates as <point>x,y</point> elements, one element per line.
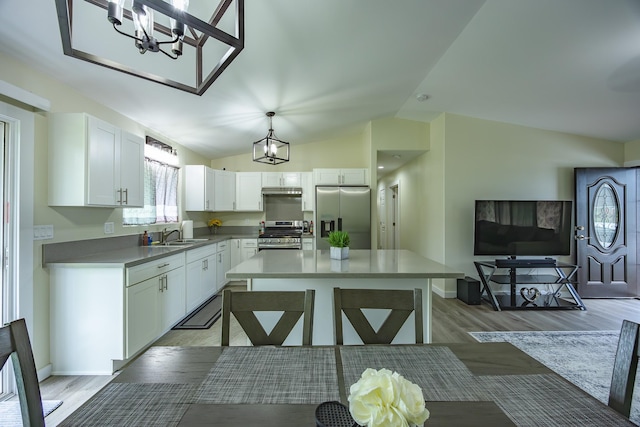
<point>328,67</point>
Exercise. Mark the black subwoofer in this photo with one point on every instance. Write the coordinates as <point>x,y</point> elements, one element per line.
<point>469,290</point>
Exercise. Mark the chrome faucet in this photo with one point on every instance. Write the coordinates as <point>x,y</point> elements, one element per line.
<point>165,234</point>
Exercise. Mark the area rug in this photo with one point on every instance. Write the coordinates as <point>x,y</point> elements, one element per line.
<point>204,316</point>
<point>10,415</point>
<point>583,357</point>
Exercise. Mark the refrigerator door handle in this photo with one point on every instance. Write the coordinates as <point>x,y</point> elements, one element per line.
<point>340,224</point>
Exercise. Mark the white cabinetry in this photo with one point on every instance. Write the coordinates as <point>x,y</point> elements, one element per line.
<point>242,250</point>
<point>281,179</point>
<point>308,244</point>
<point>249,248</point>
<point>235,252</point>
<point>340,177</point>
<point>224,191</point>
<point>208,189</point>
<point>101,316</point>
<point>223,263</point>
<point>155,300</point>
<point>308,191</point>
<point>201,275</point>
<point>199,186</point>
<point>93,163</point>
<point>248,191</point>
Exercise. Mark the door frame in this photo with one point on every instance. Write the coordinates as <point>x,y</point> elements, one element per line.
<point>17,224</point>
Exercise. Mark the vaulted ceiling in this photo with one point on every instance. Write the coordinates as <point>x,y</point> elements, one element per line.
<point>328,67</point>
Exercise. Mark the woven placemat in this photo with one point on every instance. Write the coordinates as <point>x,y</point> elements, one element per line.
<point>271,375</point>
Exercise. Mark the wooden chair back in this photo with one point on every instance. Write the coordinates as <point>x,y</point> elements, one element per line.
<point>14,343</point>
<point>401,303</point>
<point>625,367</point>
<point>243,304</point>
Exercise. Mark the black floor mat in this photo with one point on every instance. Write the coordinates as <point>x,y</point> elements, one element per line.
<point>204,316</point>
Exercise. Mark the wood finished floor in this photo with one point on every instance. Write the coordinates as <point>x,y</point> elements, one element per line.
<point>451,319</point>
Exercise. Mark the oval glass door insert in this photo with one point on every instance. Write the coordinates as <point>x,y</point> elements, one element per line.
<point>606,216</point>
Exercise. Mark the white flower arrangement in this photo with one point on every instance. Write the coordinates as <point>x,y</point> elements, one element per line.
<point>382,398</point>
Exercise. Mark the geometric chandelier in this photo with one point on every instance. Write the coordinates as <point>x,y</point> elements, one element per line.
<point>270,150</point>
<point>195,43</point>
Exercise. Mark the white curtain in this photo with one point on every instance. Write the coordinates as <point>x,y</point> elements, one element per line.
<point>160,196</point>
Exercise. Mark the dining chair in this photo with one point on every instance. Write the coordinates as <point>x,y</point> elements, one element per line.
<point>401,303</point>
<point>244,304</point>
<point>625,367</point>
<point>14,343</point>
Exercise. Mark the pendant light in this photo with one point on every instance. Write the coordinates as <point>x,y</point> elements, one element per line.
<point>270,150</point>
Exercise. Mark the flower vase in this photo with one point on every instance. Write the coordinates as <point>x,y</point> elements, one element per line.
<point>339,253</point>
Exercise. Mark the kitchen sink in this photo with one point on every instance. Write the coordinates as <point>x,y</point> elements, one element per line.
<point>170,245</point>
<point>180,242</point>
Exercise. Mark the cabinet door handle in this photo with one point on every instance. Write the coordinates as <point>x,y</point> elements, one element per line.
<point>126,196</point>
<point>160,283</point>
<point>119,201</point>
<point>163,265</point>
<point>166,282</point>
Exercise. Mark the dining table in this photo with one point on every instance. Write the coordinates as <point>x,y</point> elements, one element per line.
<point>463,384</point>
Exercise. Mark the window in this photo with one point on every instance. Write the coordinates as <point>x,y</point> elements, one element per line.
<point>160,187</point>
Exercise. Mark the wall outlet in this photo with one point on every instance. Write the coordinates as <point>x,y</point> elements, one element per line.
<point>108,228</point>
<point>42,232</point>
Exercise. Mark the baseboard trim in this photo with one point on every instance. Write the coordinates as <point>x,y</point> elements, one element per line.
<point>44,373</point>
<point>443,293</point>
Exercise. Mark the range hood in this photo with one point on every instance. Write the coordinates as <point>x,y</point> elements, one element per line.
<point>282,191</point>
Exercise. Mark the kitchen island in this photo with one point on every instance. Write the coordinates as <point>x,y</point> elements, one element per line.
<point>288,270</point>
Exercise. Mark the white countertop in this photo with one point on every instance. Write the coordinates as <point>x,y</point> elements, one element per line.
<point>360,264</point>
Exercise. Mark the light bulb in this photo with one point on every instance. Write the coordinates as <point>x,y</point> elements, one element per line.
<point>114,11</point>
<point>181,4</point>
<point>177,27</point>
<point>273,149</point>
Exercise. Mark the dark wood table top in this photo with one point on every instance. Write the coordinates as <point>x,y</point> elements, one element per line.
<point>463,384</point>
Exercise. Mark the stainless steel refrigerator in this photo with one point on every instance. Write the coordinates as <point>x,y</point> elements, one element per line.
<point>347,209</point>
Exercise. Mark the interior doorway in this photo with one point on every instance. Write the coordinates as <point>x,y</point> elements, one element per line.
<point>395,217</point>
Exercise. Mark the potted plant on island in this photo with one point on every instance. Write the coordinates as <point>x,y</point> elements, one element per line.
<point>339,242</point>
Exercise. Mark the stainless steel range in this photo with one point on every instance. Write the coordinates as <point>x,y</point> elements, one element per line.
<point>281,235</point>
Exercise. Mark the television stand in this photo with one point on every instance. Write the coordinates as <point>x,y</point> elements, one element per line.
<point>506,288</point>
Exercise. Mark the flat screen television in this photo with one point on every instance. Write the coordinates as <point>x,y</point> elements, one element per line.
<point>522,227</point>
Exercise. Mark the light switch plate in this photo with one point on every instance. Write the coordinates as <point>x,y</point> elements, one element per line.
<point>42,232</point>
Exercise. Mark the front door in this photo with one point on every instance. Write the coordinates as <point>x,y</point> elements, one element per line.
<point>605,232</point>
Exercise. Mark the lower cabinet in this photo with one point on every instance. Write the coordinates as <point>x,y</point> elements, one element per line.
<point>200,275</point>
<point>100,317</point>
<point>155,300</point>
<point>308,244</point>
<point>143,314</point>
<point>223,263</point>
<point>242,250</point>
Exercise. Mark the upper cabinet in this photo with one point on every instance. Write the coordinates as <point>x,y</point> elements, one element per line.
<point>340,177</point>
<point>281,179</point>
<point>248,191</point>
<point>308,191</point>
<point>224,193</point>
<point>199,185</point>
<point>93,163</point>
<point>208,189</point>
